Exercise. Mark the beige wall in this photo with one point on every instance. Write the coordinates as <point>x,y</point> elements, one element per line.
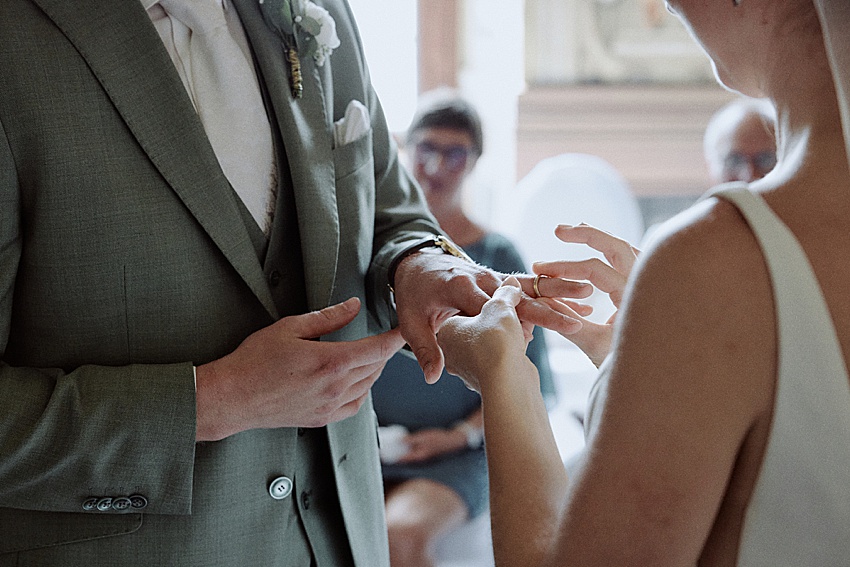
<point>439,27</point>
<point>618,79</point>
<point>651,134</point>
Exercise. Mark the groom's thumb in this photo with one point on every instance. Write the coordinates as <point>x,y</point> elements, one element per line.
<point>509,292</point>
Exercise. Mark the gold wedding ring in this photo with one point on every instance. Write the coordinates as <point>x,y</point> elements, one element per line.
<point>536,283</point>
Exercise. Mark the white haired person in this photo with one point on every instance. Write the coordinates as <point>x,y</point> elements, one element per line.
<point>739,143</point>
<point>719,430</point>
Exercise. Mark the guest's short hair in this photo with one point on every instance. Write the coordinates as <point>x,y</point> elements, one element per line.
<point>444,108</point>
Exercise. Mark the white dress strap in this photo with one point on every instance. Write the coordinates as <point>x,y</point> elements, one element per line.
<point>799,513</point>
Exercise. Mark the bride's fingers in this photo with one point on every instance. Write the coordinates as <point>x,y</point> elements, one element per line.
<point>617,251</point>
<point>582,309</point>
<point>593,270</point>
<point>511,293</point>
<point>553,287</point>
<point>593,339</point>
<point>527,331</point>
<point>567,308</point>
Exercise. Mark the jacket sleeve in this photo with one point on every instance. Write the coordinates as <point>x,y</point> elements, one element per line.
<point>401,214</point>
<point>91,431</point>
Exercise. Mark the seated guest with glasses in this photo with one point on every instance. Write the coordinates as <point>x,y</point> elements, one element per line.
<point>740,141</point>
<point>434,466</point>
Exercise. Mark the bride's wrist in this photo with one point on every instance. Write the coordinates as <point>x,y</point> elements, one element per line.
<point>511,377</point>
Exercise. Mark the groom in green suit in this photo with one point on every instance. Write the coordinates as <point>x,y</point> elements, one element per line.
<point>181,384</point>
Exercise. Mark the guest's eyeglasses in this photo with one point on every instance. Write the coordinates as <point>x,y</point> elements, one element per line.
<point>761,161</point>
<point>453,158</point>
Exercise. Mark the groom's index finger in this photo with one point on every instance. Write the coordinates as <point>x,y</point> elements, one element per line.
<point>372,349</point>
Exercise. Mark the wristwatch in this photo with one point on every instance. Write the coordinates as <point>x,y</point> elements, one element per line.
<point>436,241</point>
<point>474,435</point>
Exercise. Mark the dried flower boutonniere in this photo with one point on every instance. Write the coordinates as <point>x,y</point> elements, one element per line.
<point>302,26</point>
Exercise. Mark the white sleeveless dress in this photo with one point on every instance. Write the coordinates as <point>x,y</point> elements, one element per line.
<point>799,514</point>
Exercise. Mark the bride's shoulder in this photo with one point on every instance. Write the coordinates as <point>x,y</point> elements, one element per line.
<point>702,287</point>
<point>703,257</point>
<point>711,236</point>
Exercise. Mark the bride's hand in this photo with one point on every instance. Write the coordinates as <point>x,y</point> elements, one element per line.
<point>593,338</point>
<point>492,343</point>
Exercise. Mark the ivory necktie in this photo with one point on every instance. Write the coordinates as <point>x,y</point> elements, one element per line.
<point>227,98</point>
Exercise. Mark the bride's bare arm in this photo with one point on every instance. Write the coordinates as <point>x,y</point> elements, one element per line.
<point>527,477</point>
<point>689,382</point>
<point>688,386</point>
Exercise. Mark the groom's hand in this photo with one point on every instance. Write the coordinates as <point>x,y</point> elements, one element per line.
<point>431,286</point>
<point>280,376</point>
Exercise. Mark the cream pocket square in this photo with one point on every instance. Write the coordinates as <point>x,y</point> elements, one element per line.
<point>353,125</point>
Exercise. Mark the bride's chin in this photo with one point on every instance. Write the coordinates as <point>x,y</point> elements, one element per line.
<point>728,83</point>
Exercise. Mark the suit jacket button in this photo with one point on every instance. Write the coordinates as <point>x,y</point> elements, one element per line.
<point>90,504</point>
<point>280,488</point>
<point>104,504</point>
<point>274,278</point>
<point>121,504</point>
<point>138,502</point>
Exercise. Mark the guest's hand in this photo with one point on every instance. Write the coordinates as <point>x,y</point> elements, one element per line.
<point>426,444</point>
<point>593,338</point>
<point>491,344</point>
<point>431,286</point>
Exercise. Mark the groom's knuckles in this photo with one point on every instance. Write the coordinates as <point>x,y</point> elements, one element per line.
<point>487,280</point>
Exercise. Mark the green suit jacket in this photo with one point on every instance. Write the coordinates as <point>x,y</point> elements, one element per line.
<point>125,259</point>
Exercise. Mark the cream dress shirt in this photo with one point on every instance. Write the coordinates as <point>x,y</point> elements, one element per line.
<point>175,37</point>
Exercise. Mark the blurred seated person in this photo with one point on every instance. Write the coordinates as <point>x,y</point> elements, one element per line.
<point>740,141</point>
<point>434,464</point>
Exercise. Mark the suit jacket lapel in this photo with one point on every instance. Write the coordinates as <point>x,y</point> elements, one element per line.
<point>305,126</point>
<point>126,55</point>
